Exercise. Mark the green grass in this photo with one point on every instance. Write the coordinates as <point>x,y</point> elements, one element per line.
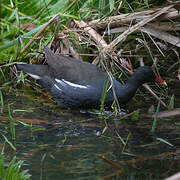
<point>12,171</point>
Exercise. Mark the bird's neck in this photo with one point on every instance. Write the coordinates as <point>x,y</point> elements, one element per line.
<point>125,92</point>
<point>134,81</point>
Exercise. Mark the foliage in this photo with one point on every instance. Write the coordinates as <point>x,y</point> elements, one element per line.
<point>15,14</point>
<point>12,172</point>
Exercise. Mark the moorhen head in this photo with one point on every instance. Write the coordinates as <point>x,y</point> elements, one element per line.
<point>78,84</point>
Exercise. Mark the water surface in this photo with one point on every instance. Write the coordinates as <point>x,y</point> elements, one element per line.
<point>70,144</point>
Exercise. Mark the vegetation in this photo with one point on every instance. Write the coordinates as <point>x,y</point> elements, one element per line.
<point>12,171</point>
<point>118,35</point>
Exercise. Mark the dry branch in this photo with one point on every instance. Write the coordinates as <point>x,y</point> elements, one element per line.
<point>165,26</point>
<point>136,27</point>
<point>125,19</point>
<point>174,177</point>
<point>92,33</point>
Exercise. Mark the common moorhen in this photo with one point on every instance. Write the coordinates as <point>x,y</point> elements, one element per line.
<point>78,84</point>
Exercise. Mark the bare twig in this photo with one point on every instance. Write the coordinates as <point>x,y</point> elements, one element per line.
<point>168,113</point>
<point>174,177</point>
<point>149,89</point>
<point>39,32</point>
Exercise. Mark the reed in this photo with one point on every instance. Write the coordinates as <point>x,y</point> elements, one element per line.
<point>12,123</point>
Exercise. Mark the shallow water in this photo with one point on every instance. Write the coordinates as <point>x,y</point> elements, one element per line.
<point>66,144</point>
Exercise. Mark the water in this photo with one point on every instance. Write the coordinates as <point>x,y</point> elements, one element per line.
<point>69,144</point>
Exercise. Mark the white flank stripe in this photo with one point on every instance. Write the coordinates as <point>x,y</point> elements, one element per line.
<point>34,76</point>
<point>70,83</point>
<point>58,81</point>
<point>57,87</point>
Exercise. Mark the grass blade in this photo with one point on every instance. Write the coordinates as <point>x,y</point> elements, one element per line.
<point>155,116</point>
<point>12,146</point>
<point>12,123</point>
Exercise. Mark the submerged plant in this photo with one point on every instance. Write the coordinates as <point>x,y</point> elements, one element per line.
<point>12,123</point>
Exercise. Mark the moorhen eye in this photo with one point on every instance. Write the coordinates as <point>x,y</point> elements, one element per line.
<point>78,84</point>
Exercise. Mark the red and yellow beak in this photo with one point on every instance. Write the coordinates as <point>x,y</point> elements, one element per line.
<point>164,83</point>
<point>160,80</point>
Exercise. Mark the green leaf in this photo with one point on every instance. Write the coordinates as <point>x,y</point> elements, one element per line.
<point>101,5</point>
<point>164,141</point>
<point>111,5</point>
<point>12,146</point>
<point>24,124</point>
<point>8,44</point>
